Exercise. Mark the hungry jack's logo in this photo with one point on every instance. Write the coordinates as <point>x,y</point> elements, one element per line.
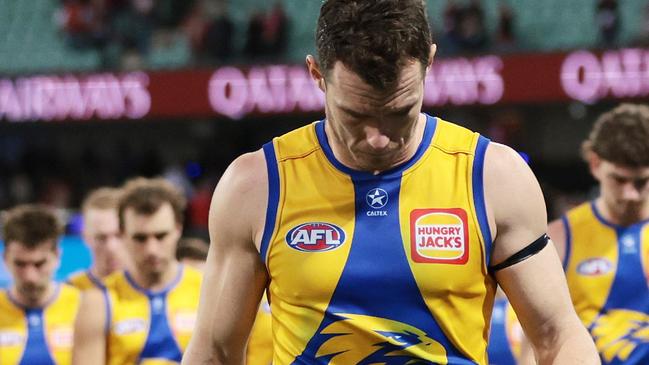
<point>439,236</point>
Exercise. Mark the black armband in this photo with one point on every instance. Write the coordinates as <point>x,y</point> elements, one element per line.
<point>522,255</point>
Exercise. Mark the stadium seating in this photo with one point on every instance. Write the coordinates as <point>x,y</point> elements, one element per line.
<point>30,40</point>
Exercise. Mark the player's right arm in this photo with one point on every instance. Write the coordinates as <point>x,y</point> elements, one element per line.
<point>90,330</point>
<point>235,276</point>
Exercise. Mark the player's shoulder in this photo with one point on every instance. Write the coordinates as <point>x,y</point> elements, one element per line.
<point>244,182</point>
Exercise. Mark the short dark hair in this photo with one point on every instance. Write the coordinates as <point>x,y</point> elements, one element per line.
<point>621,136</point>
<point>31,225</point>
<point>373,38</point>
<point>146,196</point>
<point>192,248</point>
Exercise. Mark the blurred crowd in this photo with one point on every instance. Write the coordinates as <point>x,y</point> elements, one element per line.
<point>127,32</point>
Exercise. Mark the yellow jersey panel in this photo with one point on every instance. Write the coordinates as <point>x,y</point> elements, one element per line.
<point>84,280</point>
<point>38,335</point>
<point>260,344</point>
<point>147,327</point>
<point>369,268</point>
<point>606,268</point>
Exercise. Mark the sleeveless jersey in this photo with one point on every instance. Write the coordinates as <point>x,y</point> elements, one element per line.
<point>84,280</point>
<point>147,327</point>
<point>505,336</point>
<point>42,335</point>
<point>607,269</point>
<point>260,345</point>
<point>386,268</point>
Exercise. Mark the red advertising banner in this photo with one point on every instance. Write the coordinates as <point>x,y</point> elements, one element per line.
<point>235,92</point>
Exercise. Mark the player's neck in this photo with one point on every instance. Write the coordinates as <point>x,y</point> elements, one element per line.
<point>34,302</point>
<point>619,219</point>
<point>98,273</point>
<point>159,281</point>
<point>410,149</point>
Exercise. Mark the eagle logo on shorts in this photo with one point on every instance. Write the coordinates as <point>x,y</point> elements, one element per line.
<point>619,332</point>
<point>364,340</point>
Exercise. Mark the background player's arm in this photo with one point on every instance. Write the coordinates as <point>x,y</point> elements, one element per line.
<point>90,330</point>
<point>557,233</point>
<point>536,287</point>
<point>235,276</point>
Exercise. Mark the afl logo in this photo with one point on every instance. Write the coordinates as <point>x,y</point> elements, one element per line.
<point>315,237</point>
<point>594,267</point>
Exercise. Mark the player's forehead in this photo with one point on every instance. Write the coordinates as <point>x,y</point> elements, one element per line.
<point>351,91</point>
<point>19,251</point>
<point>620,170</point>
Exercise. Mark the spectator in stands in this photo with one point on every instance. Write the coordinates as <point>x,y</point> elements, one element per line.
<point>267,35</point>
<point>472,28</point>
<point>505,38</point>
<point>83,23</point>
<point>218,44</point>
<point>449,40</point>
<point>254,47</point>
<point>275,33</point>
<point>607,18</point>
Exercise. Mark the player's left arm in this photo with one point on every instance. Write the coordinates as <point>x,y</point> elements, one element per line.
<point>536,286</point>
<point>89,345</point>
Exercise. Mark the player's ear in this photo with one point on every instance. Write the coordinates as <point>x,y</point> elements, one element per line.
<point>594,161</point>
<point>314,71</point>
<point>431,56</point>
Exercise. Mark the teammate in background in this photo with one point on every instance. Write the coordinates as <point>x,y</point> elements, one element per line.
<point>192,252</point>
<point>152,308</point>
<point>604,243</point>
<point>36,313</point>
<point>101,234</point>
<point>372,229</point>
<point>259,351</point>
<point>505,335</point>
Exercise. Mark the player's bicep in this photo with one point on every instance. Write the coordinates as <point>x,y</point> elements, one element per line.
<point>535,285</point>
<point>235,275</point>
<point>90,329</point>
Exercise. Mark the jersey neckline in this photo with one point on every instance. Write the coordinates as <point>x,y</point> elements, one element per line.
<point>608,223</point>
<point>429,131</point>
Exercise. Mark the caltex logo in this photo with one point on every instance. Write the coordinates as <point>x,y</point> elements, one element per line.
<point>377,198</point>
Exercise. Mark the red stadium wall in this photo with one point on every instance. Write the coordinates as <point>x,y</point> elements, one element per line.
<point>235,92</point>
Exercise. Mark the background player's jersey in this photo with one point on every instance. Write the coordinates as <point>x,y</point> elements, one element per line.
<point>84,280</point>
<point>607,271</point>
<point>505,336</point>
<point>260,345</point>
<point>387,268</point>
<point>151,328</point>
<point>43,336</point>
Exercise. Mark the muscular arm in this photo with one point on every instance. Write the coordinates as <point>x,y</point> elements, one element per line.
<point>536,287</point>
<point>235,275</point>
<point>90,330</point>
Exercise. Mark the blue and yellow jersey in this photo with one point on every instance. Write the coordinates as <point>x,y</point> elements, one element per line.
<point>506,335</point>
<point>386,268</point>
<point>147,327</point>
<point>260,344</point>
<point>606,268</point>
<point>42,335</point>
<point>84,280</point>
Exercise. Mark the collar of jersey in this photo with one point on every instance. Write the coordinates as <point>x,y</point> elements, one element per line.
<point>429,131</point>
<point>163,291</point>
